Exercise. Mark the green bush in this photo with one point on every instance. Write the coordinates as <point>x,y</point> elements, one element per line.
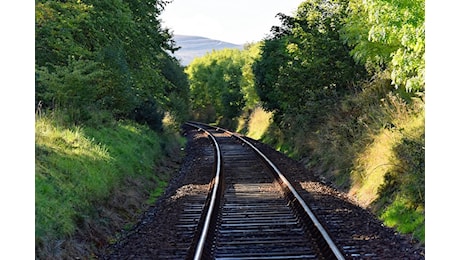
<point>405,219</point>
<point>147,113</point>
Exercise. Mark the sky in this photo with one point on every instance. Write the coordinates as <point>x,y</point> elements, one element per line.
<point>234,21</point>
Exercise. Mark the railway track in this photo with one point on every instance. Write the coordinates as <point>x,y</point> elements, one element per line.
<point>254,215</point>
<point>253,212</point>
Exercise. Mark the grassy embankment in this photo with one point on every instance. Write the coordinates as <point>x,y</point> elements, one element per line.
<point>91,182</point>
<point>372,147</point>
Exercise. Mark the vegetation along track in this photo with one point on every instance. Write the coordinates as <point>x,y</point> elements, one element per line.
<point>254,215</point>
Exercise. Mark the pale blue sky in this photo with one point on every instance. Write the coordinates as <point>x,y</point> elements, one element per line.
<point>235,21</point>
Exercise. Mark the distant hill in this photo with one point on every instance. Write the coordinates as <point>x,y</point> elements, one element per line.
<point>196,46</point>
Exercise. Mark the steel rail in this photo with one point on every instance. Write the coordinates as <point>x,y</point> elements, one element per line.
<point>304,205</point>
<point>292,190</point>
<point>201,242</point>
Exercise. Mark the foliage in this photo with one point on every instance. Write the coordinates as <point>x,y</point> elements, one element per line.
<point>406,219</point>
<point>389,34</point>
<point>329,74</point>
<point>147,113</point>
<point>62,86</point>
<point>177,92</point>
<point>61,31</point>
<point>254,123</point>
<point>222,82</point>
<point>305,67</point>
<point>106,55</point>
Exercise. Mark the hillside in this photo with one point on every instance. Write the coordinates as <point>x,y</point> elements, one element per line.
<point>196,46</point>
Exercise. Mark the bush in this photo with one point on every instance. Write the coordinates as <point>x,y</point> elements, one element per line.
<point>147,113</point>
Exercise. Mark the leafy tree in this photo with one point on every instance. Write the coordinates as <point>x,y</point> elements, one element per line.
<point>216,84</point>
<point>304,66</point>
<point>177,92</point>
<point>267,72</point>
<point>389,34</point>
<point>250,54</point>
<point>122,42</point>
<point>64,85</point>
<point>61,31</point>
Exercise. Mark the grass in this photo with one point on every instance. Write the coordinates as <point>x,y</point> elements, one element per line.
<point>258,123</point>
<point>71,170</point>
<point>388,175</point>
<point>255,123</point>
<point>79,170</point>
<point>370,145</point>
<point>371,165</point>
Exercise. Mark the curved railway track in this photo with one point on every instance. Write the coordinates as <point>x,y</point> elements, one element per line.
<point>253,212</point>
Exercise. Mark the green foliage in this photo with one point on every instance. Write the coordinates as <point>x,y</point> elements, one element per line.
<point>222,82</point>
<point>389,34</point>
<point>405,219</point>
<point>328,73</point>
<point>177,91</point>
<point>147,113</point>
<point>110,54</point>
<point>266,71</point>
<point>62,86</point>
<point>251,53</point>
<point>305,67</point>
<point>61,31</point>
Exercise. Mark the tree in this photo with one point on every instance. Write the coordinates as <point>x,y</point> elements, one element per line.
<point>304,66</point>
<point>389,35</point>
<point>125,40</point>
<point>216,85</point>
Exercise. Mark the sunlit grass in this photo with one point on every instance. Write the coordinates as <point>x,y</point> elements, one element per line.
<point>259,123</point>
<point>389,174</point>
<point>78,167</point>
<point>256,124</point>
<point>372,164</point>
<point>70,170</point>
<point>379,157</point>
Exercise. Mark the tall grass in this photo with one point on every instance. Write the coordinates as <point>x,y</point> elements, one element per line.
<point>255,124</point>
<point>371,145</point>
<point>79,169</point>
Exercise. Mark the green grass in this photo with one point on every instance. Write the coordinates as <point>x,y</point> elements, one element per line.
<point>78,169</point>
<point>370,145</point>
<point>258,123</point>
<point>405,219</point>
<point>255,123</point>
<point>71,171</point>
<point>158,191</point>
